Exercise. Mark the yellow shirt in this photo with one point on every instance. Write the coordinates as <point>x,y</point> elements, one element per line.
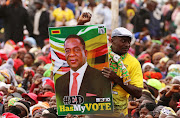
<point>59,14</point>
<point>120,96</point>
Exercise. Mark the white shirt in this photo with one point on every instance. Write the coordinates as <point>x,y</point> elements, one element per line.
<point>36,21</point>
<point>79,78</point>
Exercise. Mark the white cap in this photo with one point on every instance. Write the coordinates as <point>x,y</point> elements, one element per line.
<point>121,31</point>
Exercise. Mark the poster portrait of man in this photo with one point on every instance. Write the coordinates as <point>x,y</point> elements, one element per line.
<point>83,89</point>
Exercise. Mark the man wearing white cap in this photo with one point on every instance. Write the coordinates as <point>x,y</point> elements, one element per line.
<point>125,71</point>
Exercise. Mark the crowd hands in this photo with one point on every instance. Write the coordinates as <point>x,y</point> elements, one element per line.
<point>26,72</point>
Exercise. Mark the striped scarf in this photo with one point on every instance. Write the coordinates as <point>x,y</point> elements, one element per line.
<point>116,64</point>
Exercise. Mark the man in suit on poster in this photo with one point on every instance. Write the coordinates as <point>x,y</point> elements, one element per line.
<point>81,79</point>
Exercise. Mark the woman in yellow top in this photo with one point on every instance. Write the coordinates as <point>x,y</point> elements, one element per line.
<point>62,14</point>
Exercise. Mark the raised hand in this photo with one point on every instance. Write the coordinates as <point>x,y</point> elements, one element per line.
<point>84,18</point>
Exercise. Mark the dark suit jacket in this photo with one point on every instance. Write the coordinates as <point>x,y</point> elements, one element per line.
<point>93,82</point>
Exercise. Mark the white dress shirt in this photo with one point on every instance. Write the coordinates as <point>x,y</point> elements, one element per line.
<point>79,78</point>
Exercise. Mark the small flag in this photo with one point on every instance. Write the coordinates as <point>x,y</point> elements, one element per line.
<point>55,32</point>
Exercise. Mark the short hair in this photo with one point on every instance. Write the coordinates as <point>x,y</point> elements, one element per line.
<point>78,37</point>
<point>49,115</point>
<point>66,1</point>
<point>149,106</point>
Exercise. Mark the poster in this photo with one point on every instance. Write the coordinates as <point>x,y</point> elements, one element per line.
<point>90,91</point>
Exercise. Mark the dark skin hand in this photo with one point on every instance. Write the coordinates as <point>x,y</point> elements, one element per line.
<point>112,76</point>
<point>84,18</point>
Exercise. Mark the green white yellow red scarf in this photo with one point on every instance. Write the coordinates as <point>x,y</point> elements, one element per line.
<point>116,64</point>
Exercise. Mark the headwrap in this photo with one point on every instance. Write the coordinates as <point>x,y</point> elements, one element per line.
<point>164,59</point>
<point>45,95</point>
<point>147,64</point>
<point>18,63</point>
<point>167,111</point>
<point>24,104</point>
<point>2,78</point>
<point>30,41</point>
<point>142,57</point>
<point>148,75</point>
<point>22,50</point>
<point>49,82</point>
<point>8,68</point>
<point>158,54</point>
<point>20,44</point>
<point>174,70</point>
<point>42,105</point>
<point>31,95</point>
<point>13,100</point>
<point>176,78</point>
<point>118,66</point>
<point>47,73</point>
<point>42,58</point>
<point>155,83</point>
<point>32,72</point>
<point>3,55</point>
<point>9,115</point>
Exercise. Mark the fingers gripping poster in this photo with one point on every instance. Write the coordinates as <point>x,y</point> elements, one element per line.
<point>78,55</point>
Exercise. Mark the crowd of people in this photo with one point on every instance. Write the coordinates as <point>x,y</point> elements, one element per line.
<point>26,73</point>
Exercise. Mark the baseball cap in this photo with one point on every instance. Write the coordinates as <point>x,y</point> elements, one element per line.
<point>46,94</point>
<point>31,95</point>
<point>121,31</point>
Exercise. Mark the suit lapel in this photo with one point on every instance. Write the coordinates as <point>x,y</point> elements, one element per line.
<point>85,83</point>
<point>66,84</point>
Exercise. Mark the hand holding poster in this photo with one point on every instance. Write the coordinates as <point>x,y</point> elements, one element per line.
<point>78,55</point>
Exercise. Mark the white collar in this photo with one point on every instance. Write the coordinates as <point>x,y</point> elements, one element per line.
<point>80,70</point>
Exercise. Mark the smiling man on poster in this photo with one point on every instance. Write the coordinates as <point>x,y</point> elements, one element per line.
<point>81,79</point>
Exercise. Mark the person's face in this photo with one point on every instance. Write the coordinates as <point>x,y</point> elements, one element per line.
<point>40,70</point>
<point>46,99</point>
<point>147,68</point>
<point>28,59</point>
<point>38,5</point>
<point>21,55</point>
<point>120,45</point>
<point>168,80</point>
<point>143,112</point>
<point>148,116</point>
<point>52,102</point>
<point>23,111</point>
<point>36,76</point>
<point>63,4</point>
<point>47,88</point>
<point>156,59</point>
<point>75,53</point>
<point>27,98</point>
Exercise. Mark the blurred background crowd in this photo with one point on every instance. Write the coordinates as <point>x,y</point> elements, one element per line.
<point>26,77</point>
